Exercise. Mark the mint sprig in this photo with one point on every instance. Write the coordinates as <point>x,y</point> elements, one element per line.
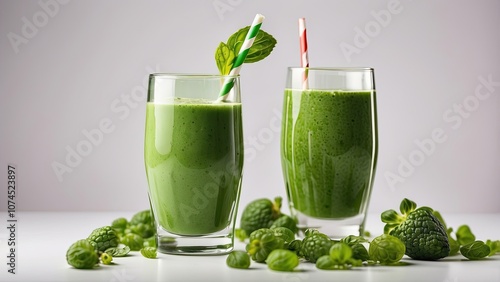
<point>226,53</point>
<point>224,57</point>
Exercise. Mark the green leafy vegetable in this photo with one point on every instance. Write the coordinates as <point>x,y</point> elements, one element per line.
<point>238,259</point>
<point>466,242</point>
<point>438,215</point>
<point>224,57</point>
<point>282,260</point>
<point>475,250</point>
<point>464,235</point>
<point>339,257</point>
<point>262,46</point>
<point>341,253</point>
<point>494,246</point>
<point>454,245</point>
<point>407,206</point>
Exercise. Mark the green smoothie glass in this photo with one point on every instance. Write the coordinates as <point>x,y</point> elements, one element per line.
<point>193,152</point>
<point>329,147</point>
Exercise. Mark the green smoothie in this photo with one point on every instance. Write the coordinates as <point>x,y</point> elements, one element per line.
<point>329,151</point>
<point>194,161</point>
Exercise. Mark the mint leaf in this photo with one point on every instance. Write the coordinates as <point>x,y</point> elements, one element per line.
<point>262,46</point>
<point>407,206</point>
<point>475,250</point>
<point>120,251</point>
<point>226,53</point>
<point>224,57</point>
<point>464,235</point>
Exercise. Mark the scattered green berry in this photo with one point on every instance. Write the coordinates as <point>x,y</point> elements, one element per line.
<point>359,252</point>
<point>103,238</point>
<point>315,245</point>
<point>260,213</point>
<point>82,255</point>
<point>238,259</point>
<point>150,242</point>
<point>120,224</point>
<point>295,246</point>
<point>282,260</point>
<point>240,234</point>
<point>326,263</point>
<point>262,243</point>
<point>149,252</point>
<point>282,232</point>
<point>285,221</point>
<point>341,253</point>
<point>386,249</point>
<point>106,258</point>
<point>133,241</point>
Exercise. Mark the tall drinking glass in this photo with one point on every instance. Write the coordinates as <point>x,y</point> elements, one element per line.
<point>329,147</point>
<point>193,152</point>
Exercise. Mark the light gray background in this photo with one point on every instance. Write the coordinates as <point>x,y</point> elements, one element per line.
<point>78,62</point>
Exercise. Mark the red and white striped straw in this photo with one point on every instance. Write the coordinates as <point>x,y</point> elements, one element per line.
<point>304,60</point>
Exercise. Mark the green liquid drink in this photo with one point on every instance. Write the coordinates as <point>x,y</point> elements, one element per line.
<point>193,154</point>
<point>328,151</point>
<point>194,161</point>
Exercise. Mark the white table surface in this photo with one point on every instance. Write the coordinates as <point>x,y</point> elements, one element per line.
<point>42,239</point>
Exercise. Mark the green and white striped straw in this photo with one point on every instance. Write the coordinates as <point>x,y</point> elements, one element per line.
<point>245,47</point>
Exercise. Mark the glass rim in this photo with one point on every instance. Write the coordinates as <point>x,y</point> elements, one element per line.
<point>333,68</point>
<point>192,75</point>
